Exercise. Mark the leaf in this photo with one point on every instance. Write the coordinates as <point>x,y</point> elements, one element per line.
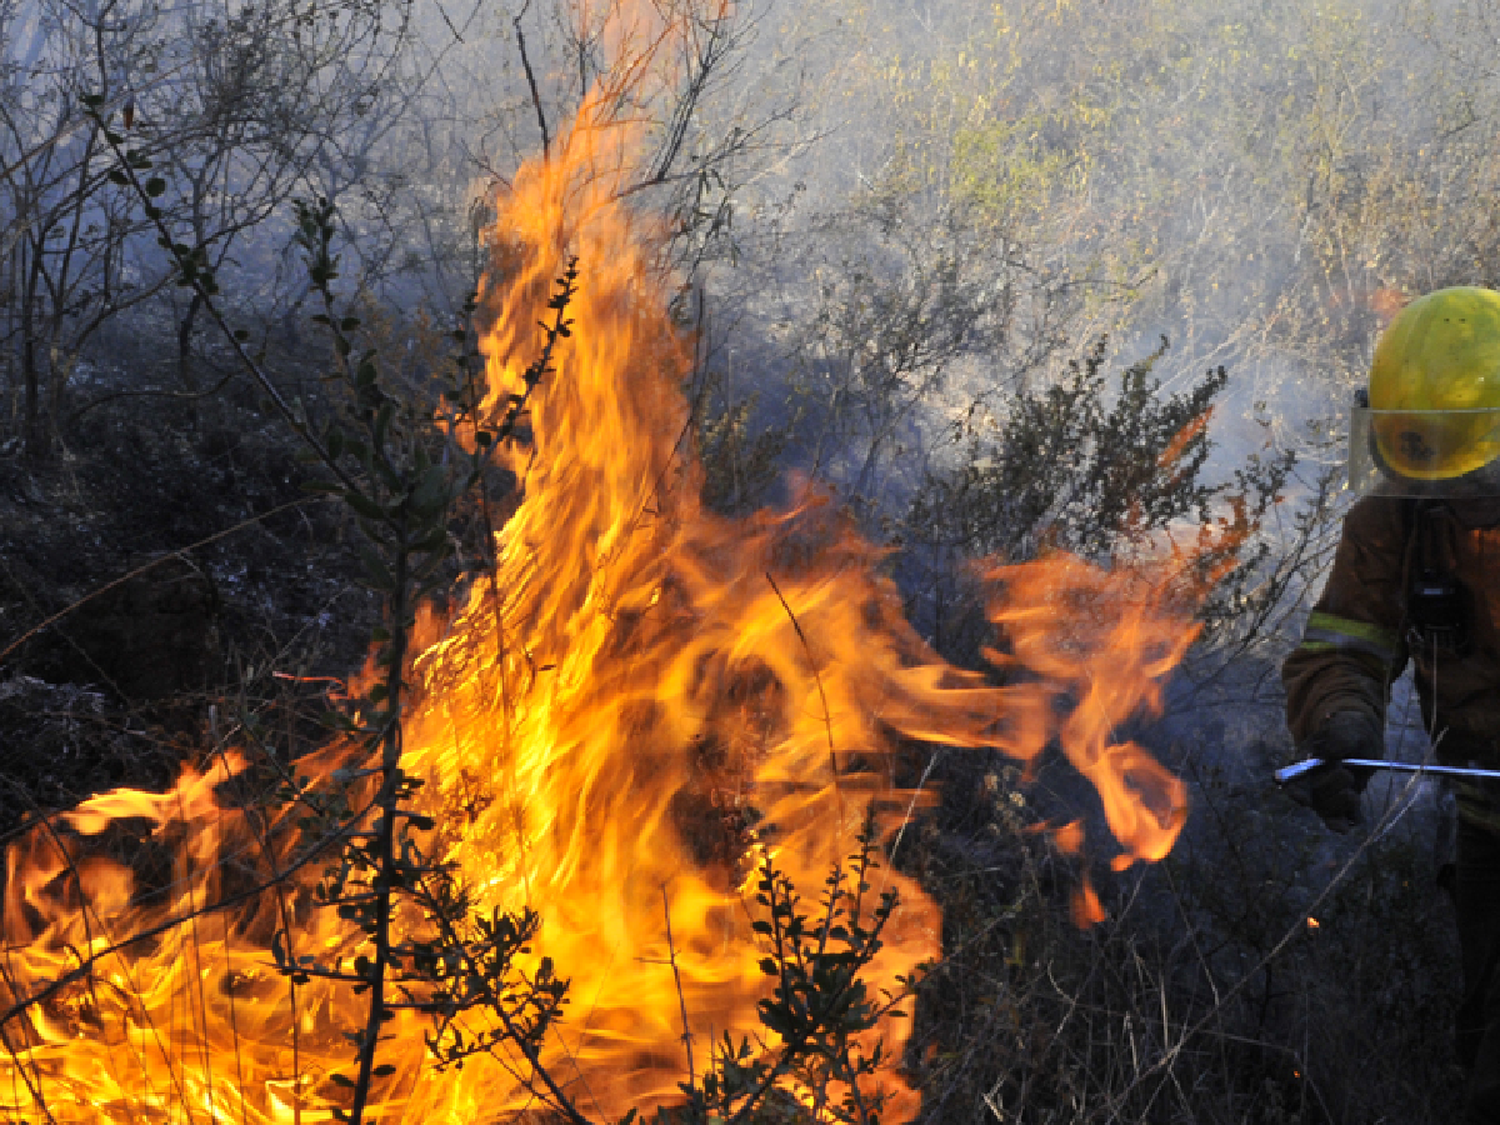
<point>430,495</point>
<point>435,540</point>
<point>382,424</point>
<point>376,571</point>
<point>342,1080</point>
<point>155,186</point>
<point>363,505</point>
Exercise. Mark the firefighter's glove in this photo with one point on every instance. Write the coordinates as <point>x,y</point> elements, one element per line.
<point>1333,789</point>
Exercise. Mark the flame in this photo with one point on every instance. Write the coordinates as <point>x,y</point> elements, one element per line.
<point>1116,619</point>
<point>1087,910</point>
<point>641,697</point>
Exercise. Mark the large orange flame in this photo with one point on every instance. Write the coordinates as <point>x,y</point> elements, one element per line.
<point>641,694</point>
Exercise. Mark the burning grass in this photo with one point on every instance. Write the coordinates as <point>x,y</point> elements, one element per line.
<point>633,668</point>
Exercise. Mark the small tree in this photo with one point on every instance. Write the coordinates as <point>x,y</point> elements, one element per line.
<point>235,109</point>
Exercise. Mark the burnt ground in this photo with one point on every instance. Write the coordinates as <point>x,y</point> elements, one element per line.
<point>142,581</point>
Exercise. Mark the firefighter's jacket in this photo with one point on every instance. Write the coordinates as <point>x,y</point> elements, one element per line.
<point>1361,635</point>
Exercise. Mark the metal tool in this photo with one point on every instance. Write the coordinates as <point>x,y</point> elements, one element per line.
<point>1298,769</point>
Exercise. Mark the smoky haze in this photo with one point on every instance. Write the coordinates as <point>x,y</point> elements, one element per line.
<point>889,218</point>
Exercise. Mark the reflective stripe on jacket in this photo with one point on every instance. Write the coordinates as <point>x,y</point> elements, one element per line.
<point>1328,632</point>
<point>1354,646</point>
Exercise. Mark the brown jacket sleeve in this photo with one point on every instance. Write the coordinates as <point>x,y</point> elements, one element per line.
<point>1351,649</point>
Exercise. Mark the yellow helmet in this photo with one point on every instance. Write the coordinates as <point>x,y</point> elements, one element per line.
<point>1435,386</point>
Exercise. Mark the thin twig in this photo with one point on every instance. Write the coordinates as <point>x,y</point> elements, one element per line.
<point>833,763</point>
<point>150,392</point>
<point>140,570</point>
<point>536,97</point>
<point>687,1035</point>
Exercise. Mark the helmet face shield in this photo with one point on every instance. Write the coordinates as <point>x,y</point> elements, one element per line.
<point>1435,453</point>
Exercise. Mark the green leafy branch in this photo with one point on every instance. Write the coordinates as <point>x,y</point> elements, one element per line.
<point>819,1006</point>
<point>402,511</point>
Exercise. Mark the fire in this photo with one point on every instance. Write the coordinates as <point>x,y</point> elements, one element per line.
<point>1116,621</point>
<point>641,696</point>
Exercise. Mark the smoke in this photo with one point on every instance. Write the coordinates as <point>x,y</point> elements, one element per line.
<point>1260,183</point>
<point>889,215</point>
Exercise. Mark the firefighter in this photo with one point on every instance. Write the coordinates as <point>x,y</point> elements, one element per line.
<point>1416,578</point>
